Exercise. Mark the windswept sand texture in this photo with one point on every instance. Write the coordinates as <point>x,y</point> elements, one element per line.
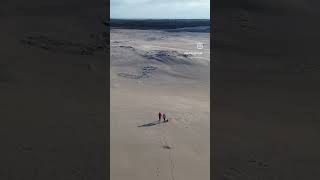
<point>151,73</point>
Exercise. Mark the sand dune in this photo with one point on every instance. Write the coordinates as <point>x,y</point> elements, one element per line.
<point>149,75</point>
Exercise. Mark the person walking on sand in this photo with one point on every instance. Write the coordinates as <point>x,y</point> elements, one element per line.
<point>159,116</point>
<point>164,117</point>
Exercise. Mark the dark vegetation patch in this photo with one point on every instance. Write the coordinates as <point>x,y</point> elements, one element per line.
<point>126,47</point>
<point>168,57</point>
<point>166,147</point>
<point>145,72</point>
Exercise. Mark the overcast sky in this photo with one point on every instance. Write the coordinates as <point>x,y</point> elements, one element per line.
<point>160,9</point>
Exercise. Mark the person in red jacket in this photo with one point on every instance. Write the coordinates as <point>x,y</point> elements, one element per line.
<point>160,115</point>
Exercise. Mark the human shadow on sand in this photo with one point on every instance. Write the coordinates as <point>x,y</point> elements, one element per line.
<point>152,123</point>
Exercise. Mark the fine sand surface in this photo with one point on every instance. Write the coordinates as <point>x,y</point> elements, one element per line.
<point>150,73</point>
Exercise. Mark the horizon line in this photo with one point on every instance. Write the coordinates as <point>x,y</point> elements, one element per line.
<point>162,18</point>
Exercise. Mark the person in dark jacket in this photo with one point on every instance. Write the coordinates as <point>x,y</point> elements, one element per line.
<point>164,117</point>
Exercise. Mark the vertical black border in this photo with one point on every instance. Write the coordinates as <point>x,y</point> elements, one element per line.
<point>32,139</point>
<point>108,120</point>
<point>212,34</point>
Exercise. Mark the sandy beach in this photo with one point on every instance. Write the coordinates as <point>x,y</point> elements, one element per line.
<point>150,72</point>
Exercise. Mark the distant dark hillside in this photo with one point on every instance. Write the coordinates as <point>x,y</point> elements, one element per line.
<point>158,24</point>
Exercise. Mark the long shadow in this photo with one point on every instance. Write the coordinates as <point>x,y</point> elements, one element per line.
<point>152,124</point>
